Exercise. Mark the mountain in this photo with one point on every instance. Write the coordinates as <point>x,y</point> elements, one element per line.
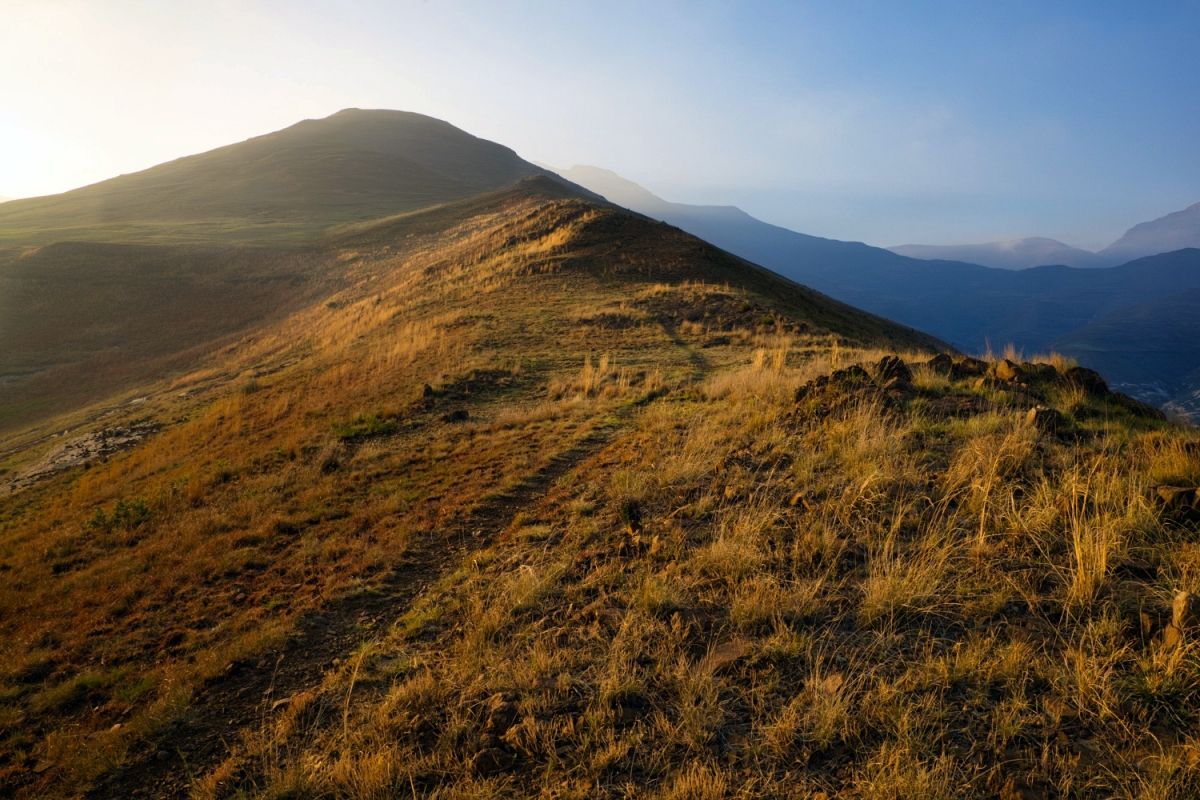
<point>975,308</point>
<point>105,286</point>
<point>1172,232</point>
<point>1009,254</point>
<point>198,514</point>
<point>287,185</point>
<point>1175,231</point>
<point>522,494</point>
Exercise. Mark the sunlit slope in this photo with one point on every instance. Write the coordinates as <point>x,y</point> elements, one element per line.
<point>468,356</point>
<point>286,185</point>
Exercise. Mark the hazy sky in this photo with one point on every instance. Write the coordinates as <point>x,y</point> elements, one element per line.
<point>886,122</point>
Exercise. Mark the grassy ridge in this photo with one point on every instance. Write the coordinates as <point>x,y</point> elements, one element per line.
<point>307,460</point>
<point>547,499</point>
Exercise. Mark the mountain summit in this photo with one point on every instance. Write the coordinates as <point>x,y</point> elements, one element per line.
<point>293,183</point>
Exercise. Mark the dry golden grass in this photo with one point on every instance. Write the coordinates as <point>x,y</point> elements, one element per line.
<point>683,582</point>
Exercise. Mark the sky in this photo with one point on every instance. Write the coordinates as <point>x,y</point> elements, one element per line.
<point>884,122</point>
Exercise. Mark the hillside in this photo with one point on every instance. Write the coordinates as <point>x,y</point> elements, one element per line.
<point>106,286</point>
<point>339,457</point>
<point>1034,251</point>
<point>526,495</point>
<point>650,533</point>
<point>972,307</point>
<point>1165,349</point>
<point>288,185</point>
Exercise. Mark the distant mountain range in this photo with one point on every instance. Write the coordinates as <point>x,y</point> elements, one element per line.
<point>1172,232</point>
<point>1009,254</point>
<point>1131,322</point>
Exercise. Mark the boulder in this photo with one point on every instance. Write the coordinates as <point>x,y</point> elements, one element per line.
<point>969,368</point>
<point>1087,379</point>
<point>941,364</point>
<point>893,373</point>
<point>853,375</point>
<point>1009,371</point>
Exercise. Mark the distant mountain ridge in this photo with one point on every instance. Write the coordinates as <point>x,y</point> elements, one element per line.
<point>1174,231</point>
<point>1009,254</point>
<point>971,306</point>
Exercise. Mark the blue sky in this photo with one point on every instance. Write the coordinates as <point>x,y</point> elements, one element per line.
<point>933,122</point>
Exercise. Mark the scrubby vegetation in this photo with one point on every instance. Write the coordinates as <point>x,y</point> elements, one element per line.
<point>553,501</point>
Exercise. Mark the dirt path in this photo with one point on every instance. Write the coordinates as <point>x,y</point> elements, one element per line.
<point>242,697</point>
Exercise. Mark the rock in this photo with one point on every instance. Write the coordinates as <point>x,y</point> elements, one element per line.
<point>893,373</point>
<point>1046,420</point>
<point>459,415</point>
<point>853,375</point>
<point>1009,371</point>
<point>941,364</point>
<point>969,368</point>
<point>1087,379</point>
<point>427,391</point>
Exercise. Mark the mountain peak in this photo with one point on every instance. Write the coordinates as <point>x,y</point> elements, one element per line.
<point>353,165</point>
